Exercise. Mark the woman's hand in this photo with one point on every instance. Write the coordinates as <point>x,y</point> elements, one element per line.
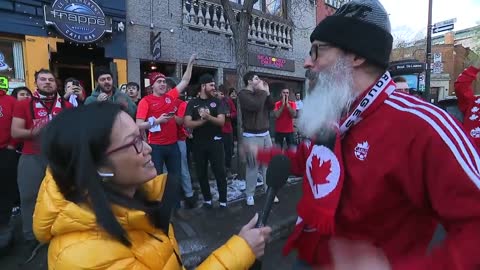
<point>255,237</point>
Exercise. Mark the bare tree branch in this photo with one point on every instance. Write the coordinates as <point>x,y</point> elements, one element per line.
<point>248,5</point>
<point>227,8</point>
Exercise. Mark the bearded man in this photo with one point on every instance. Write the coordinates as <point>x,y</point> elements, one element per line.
<point>382,168</point>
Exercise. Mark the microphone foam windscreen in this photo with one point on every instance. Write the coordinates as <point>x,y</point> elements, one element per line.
<point>278,171</point>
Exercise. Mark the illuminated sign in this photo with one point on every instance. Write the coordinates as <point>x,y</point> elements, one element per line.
<point>81,21</point>
<point>266,61</point>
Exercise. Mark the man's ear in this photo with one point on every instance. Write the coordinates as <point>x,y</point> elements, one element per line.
<point>358,61</point>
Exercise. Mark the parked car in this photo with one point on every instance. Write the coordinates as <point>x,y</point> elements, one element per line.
<point>450,105</point>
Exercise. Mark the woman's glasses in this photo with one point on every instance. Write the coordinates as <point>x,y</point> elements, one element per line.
<point>137,143</point>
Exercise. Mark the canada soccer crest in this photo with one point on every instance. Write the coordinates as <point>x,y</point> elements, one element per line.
<point>323,171</point>
<point>42,113</point>
<point>475,133</point>
<point>361,151</point>
<point>168,100</point>
<point>213,105</point>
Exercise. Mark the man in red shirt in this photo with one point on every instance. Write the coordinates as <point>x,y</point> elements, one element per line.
<point>382,168</point>
<point>469,104</point>
<point>285,110</point>
<point>8,169</point>
<point>29,118</point>
<point>161,105</point>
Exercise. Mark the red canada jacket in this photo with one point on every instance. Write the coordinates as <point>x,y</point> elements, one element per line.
<point>408,166</point>
<point>468,104</point>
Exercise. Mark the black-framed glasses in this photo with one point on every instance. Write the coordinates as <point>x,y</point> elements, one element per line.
<point>314,50</point>
<point>137,143</point>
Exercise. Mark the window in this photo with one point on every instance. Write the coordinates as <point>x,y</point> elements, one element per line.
<point>273,7</point>
<point>11,62</point>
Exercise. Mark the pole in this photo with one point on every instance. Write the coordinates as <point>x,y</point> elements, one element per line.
<point>428,55</point>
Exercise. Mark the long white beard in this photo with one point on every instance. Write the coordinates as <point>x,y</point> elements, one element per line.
<point>331,96</point>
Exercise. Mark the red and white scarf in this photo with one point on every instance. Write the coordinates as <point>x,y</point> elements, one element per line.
<point>44,108</point>
<point>324,175</point>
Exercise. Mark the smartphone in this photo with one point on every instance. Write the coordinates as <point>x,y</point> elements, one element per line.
<point>171,114</point>
<point>76,83</point>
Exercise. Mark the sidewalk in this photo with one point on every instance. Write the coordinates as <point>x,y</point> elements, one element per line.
<point>201,231</point>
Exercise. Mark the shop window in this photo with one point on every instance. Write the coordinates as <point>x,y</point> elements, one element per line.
<point>11,62</point>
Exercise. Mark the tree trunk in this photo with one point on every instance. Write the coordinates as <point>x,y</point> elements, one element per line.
<point>239,26</point>
<point>241,57</point>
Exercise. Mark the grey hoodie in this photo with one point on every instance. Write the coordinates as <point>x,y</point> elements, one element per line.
<point>117,97</point>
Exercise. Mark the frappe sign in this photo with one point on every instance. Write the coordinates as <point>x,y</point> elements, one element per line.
<point>81,21</point>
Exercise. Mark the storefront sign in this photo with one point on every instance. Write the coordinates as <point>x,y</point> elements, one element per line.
<point>262,60</point>
<point>81,21</point>
<point>3,82</point>
<point>404,68</point>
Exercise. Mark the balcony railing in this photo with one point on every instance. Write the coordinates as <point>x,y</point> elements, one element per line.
<point>210,16</point>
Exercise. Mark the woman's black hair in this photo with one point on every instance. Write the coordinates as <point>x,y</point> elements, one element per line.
<point>18,89</point>
<point>75,146</point>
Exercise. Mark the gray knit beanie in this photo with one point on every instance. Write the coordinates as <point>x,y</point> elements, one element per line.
<point>361,27</point>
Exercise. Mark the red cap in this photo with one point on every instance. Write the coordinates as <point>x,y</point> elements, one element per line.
<point>154,76</point>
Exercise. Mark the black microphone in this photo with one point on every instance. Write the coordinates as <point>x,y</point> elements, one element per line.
<point>277,174</point>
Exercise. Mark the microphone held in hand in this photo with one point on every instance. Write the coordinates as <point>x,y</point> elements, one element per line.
<point>277,175</point>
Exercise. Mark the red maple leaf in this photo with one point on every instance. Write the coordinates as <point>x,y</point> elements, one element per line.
<point>320,172</point>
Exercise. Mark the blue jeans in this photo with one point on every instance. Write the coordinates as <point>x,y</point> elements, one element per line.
<point>185,172</point>
<point>168,155</point>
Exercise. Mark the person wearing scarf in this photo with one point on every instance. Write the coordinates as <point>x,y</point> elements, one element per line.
<point>29,118</point>
<point>381,168</point>
<point>8,169</point>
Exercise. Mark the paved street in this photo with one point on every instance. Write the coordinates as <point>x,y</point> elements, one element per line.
<point>274,260</point>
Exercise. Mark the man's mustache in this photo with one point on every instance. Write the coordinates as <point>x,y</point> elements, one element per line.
<point>311,75</point>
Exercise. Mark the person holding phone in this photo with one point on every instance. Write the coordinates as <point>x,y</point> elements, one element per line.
<point>105,91</point>
<point>285,111</point>
<point>74,92</point>
<point>160,106</point>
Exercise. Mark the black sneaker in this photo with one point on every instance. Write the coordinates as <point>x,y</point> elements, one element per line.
<point>16,211</point>
<point>223,205</point>
<point>190,202</point>
<point>207,205</point>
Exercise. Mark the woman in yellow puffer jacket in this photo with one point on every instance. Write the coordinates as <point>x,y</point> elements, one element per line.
<point>102,206</point>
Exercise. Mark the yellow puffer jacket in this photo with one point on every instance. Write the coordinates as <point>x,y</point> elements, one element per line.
<point>77,242</point>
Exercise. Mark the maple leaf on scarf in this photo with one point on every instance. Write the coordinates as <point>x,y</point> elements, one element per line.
<point>320,171</point>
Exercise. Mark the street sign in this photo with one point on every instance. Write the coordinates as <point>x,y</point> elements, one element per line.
<point>443,28</point>
<point>445,23</point>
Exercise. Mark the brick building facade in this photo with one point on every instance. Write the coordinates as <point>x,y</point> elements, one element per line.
<point>449,60</point>
<point>278,40</point>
